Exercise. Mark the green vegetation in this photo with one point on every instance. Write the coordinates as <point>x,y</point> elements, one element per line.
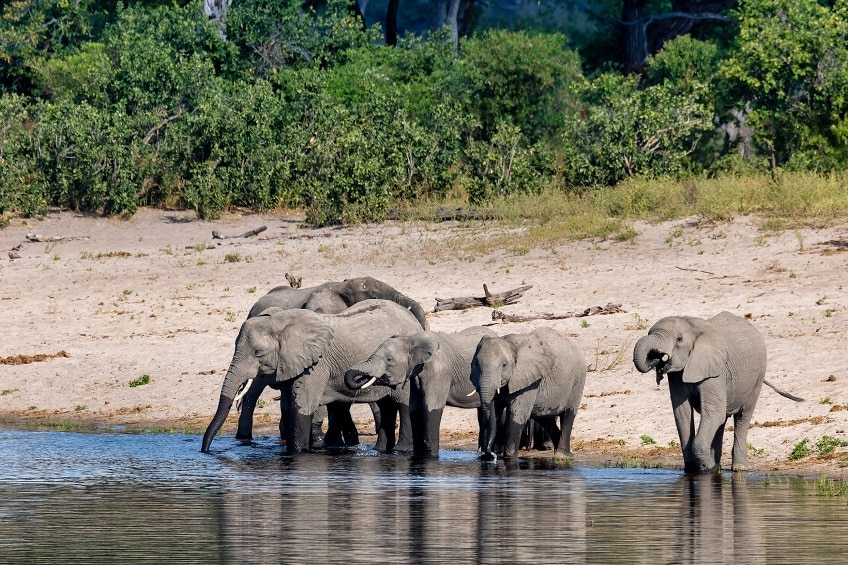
<point>800,450</point>
<point>108,106</point>
<point>647,440</point>
<point>825,446</point>
<point>142,380</point>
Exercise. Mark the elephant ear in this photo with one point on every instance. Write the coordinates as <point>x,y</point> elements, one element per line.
<point>423,346</point>
<point>708,359</point>
<point>304,338</point>
<point>270,311</point>
<point>533,359</point>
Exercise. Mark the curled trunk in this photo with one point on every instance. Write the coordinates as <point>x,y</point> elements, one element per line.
<point>648,353</point>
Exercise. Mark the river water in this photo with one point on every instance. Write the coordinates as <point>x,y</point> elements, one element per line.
<point>124,498</point>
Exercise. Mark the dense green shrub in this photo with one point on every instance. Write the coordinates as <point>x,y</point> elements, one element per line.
<point>526,78</point>
<point>789,65</point>
<point>625,131</point>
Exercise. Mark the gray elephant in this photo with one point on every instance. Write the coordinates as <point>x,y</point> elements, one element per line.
<point>715,367</point>
<point>333,297</point>
<point>308,354</point>
<point>540,375</point>
<point>437,368</point>
<point>328,298</point>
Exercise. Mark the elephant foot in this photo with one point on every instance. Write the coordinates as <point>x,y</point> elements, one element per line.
<point>244,437</point>
<point>560,455</point>
<point>740,467</point>
<point>488,457</point>
<point>710,470</point>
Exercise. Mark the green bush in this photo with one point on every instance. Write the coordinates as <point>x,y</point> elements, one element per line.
<point>625,131</point>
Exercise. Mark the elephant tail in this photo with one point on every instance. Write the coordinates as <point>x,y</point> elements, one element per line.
<point>783,392</point>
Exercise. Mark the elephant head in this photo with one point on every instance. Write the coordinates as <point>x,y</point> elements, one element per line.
<point>506,365</point>
<point>358,289</point>
<point>681,344</point>
<point>283,343</point>
<point>394,361</point>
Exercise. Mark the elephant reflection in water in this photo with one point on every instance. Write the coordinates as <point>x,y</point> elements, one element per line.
<point>717,522</point>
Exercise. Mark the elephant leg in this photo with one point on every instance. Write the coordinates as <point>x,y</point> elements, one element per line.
<point>375,413</point>
<point>527,433</point>
<point>517,415</point>
<point>542,439</point>
<point>301,426</point>
<point>386,432</point>
<point>317,432</point>
<point>349,433</point>
<point>550,429</point>
<point>286,412</point>
<point>425,427</point>
<point>566,424</point>
<point>248,407</point>
<point>741,423</point>
<point>404,440</point>
<point>684,419</point>
<point>713,394</point>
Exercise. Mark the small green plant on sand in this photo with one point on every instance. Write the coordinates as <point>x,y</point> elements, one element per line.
<point>647,440</point>
<point>800,450</point>
<point>142,380</point>
<point>827,445</point>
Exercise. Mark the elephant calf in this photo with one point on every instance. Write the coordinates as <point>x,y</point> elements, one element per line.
<point>715,367</point>
<point>437,367</point>
<point>539,375</point>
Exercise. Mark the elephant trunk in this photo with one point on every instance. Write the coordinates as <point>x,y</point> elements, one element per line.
<point>355,379</point>
<point>648,353</point>
<point>224,405</point>
<point>232,382</point>
<point>413,307</point>
<point>490,420</point>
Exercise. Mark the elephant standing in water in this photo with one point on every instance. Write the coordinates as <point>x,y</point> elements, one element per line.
<point>539,375</point>
<point>309,353</point>
<point>715,367</point>
<point>437,367</point>
<point>328,298</point>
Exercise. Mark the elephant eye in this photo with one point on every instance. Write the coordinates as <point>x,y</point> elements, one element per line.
<point>258,352</point>
<point>680,339</point>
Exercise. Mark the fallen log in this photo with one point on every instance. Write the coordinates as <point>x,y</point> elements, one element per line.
<point>38,238</point>
<point>610,308</point>
<point>489,299</point>
<point>251,233</point>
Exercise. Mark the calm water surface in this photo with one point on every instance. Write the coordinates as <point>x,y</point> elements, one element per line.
<point>108,498</point>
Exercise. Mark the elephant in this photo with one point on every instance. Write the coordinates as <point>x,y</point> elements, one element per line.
<point>437,367</point>
<point>308,353</point>
<point>327,298</point>
<point>715,367</point>
<point>541,375</point>
<point>333,297</point>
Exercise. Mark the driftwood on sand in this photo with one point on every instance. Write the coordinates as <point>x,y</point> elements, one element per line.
<point>489,299</point>
<point>591,311</point>
<point>251,233</point>
<point>38,238</point>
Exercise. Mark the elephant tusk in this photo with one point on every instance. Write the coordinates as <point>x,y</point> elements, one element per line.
<point>472,393</point>
<point>664,358</point>
<point>242,391</point>
<point>370,382</point>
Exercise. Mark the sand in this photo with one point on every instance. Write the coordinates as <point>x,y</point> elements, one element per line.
<point>111,300</point>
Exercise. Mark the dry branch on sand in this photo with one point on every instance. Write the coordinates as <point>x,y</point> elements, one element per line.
<point>591,311</point>
<point>251,233</point>
<point>489,299</point>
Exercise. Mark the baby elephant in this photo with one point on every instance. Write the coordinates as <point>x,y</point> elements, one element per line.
<point>436,369</point>
<point>715,367</point>
<point>539,375</point>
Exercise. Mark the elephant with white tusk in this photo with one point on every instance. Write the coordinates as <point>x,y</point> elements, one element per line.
<point>715,367</point>
<point>435,369</point>
<point>327,298</point>
<point>307,354</point>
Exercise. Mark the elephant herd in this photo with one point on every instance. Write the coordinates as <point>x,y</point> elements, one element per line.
<point>362,341</point>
